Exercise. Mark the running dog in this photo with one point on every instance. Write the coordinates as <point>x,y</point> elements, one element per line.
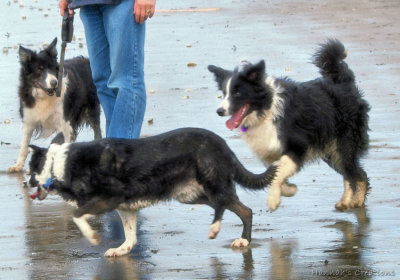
<point>288,123</point>
<point>44,114</point>
<point>190,165</point>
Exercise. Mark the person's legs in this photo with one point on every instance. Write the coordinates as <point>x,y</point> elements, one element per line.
<point>99,56</point>
<point>126,42</point>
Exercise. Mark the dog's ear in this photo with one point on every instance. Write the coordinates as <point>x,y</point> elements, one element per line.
<point>25,55</point>
<point>52,48</point>
<point>220,74</point>
<point>256,72</point>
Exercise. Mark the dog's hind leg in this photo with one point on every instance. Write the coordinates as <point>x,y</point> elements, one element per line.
<point>246,215</point>
<point>96,130</point>
<point>344,202</point>
<point>355,181</point>
<point>129,221</point>
<point>95,124</point>
<point>361,191</point>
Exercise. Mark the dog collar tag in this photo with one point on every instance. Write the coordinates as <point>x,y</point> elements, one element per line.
<point>244,128</point>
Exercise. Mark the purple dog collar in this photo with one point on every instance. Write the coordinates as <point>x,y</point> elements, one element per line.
<point>244,128</point>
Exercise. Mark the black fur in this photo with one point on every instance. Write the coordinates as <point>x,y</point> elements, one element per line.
<point>326,117</point>
<point>103,174</point>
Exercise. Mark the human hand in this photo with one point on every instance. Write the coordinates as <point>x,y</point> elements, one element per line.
<point>143,9</point>
<point>63,4</point>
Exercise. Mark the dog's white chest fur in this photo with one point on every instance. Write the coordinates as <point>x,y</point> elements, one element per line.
<point>47,113</point>
<point>263,140</point>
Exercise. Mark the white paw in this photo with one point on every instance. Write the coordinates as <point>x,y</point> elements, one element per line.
<point>342,205</point>
<point>288,190</point>
<point>14,169</point>
<point>240,242</point>
<point>117,252</point>
<point>214,230</point>
<point>273,202</point>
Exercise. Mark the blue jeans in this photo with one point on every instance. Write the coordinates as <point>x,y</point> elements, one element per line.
<point>116,52</point>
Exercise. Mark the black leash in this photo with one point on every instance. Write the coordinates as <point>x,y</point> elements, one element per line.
<point>67,31</point>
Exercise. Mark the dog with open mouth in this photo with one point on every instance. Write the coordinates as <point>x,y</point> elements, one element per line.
<point>288,123</point>
<point>190,165</point>
<point>42,112</point>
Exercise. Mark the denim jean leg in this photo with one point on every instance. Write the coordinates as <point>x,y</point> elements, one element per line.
<point>126,39</point>
<point>98,48</point>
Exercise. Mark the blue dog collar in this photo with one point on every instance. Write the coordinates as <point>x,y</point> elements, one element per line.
<point>48,183</point>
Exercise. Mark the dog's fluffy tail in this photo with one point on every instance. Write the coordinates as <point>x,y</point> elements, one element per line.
<point>250,180</point>
<point>330,60</point>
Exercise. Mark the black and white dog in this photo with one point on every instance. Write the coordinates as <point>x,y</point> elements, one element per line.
<point>42,112</point>
<point>190,165</point>
<point>288,123</point>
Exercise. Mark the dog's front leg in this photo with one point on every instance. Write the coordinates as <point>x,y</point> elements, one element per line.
<point>27,131</point>
<point>129,221</point>
<point>286,167</point>
<point>86,229</point>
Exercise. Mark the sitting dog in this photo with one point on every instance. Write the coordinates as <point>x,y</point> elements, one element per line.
<point>288,123</point>
<point>44,114</point>
<point>190,165</point>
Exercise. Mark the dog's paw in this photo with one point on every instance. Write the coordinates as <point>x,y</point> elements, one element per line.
<point>14,169</point>
<point>273,202</point>
<point>117,252</point>
<point>341,206</point>
<point>240,242</point>
<point>288,189</point>
<point>357,204</point>
<point>214,230</point>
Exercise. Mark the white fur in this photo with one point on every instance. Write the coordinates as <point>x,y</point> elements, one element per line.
<point>46,117</point>
<point>129,222</point>
<point>225,103</point>
<point>344,203</point>
<point>86,229</point>
<point>240,242</point>
<point>48,165</point>
<point>286,167</point>
<point>214,230</point>
<point>49,78</point>
<point>60,160</point>
<point>262,134</point>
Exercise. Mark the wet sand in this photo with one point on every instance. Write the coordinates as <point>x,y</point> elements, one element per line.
<point>305,238</point>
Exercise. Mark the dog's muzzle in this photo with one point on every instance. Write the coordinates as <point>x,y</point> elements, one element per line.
<point>221,112</point>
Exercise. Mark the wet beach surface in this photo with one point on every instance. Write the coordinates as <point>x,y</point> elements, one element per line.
<point>306,238</point>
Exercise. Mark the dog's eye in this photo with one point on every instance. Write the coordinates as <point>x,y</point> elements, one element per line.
<point>237,94</point>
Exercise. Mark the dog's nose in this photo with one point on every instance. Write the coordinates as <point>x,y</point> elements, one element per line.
<point>221,112</point>
<point>53,83</point>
